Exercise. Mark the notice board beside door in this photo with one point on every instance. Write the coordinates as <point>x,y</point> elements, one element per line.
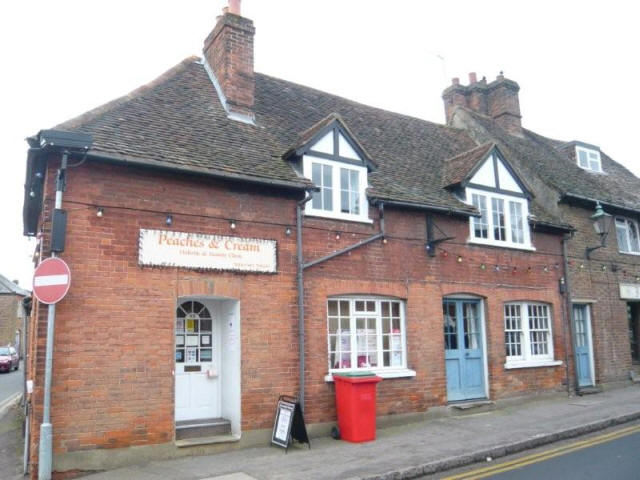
<point>289,423</point>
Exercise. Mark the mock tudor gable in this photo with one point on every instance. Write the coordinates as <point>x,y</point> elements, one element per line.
<point>484,167</point>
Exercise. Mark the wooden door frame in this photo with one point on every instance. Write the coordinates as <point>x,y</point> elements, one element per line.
<point>483,327</point>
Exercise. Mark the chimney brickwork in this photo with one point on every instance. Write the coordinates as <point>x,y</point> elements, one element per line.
<point>498,100</point>
<point>228,50</point>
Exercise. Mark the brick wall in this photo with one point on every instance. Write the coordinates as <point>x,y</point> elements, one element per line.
<point>10,321</point>
<point>113,383</point>
<point>229,52</point>
<point>597,280</point>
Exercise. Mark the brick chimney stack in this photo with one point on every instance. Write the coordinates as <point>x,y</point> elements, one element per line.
<point>498,100</point>
<point>228,52</point>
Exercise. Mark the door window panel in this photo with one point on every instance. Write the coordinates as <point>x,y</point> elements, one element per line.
<point>450,326</point>
<point>193,337</point>
<point>471,324</point>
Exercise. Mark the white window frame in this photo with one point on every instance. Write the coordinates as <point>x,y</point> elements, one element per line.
<point>307,165</point>
<point>508,242</point>
<point>627,221</point>
<point>395,371</point>
<point>588,152</point>
<point>526,357</point>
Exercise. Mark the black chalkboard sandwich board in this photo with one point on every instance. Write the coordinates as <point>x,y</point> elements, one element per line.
<point>289,423</point>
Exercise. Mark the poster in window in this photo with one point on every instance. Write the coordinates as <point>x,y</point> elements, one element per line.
<point>205,340</point>
<point>180,325</point>
<point>192,354</point>
<point>205,355</point>
<point>396,346</point>
<point>180,356</point>
<point>192,340</point>
<point>179,340</point>
<point>191,323</point>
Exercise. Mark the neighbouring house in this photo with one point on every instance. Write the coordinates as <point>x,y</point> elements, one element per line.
<point>234,237</point>
<point>12,314</point>
<point>579,181</point>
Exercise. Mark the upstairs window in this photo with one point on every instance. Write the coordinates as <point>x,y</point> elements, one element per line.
<point>628,238</point>
<point>502,219</point>
<point>588,159</point>
<point>502,202</point>
<point>335,167</point>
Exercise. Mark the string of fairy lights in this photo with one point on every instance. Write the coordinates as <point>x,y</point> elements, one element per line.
<point>545,267</point>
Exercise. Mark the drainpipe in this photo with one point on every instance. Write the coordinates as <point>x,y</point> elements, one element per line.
<point>45,454</point>
<point>569,309</point>
<point>303,266</point>
<point>300,279</point>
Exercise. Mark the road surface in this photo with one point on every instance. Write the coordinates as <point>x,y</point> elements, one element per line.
<point>610,455</point>
<point>11,383</point>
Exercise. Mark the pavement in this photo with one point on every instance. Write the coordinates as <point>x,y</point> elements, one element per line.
<point>411,450</point>
<point>11,441</point>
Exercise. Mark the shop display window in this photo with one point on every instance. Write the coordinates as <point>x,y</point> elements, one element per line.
<point>365,334</point>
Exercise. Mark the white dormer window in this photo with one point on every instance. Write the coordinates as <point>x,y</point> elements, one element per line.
<point>588,159</point>
<point>334,166</point>
<point>503,206</point>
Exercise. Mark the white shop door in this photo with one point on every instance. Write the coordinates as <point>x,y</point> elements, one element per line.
<point>197,363</point>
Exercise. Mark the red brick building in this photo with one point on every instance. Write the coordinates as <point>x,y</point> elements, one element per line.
<point>234,237</point>
<point>574,179</point>
<point>12,314</point>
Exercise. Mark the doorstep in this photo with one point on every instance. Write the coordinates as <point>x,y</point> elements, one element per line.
<point>469,407</point>
<point>589,390</point>
<point>202,427</point>
<point>194,442</point>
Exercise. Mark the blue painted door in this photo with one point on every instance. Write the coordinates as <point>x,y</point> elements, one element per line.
<point>464,352</point>
<point>582,329</point>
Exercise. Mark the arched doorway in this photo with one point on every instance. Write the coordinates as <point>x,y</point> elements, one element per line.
<point>207,367</point>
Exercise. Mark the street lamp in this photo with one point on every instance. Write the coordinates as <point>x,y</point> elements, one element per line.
<point>601,224</point>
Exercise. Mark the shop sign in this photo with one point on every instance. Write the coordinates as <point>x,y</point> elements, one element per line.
<point>208,252</point>
<point>630,291</point>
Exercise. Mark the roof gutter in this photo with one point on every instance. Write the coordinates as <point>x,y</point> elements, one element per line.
<point>602,202</point>
<point>562,228</point>
<point>200,171</point>
<point>424,206</point>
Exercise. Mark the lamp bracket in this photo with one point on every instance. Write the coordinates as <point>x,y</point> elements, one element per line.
<point>433,242</point>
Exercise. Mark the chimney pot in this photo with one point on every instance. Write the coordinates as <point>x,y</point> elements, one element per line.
<point>455,81</point>
<point>228,51</point>
<point>234,7</point>
<point>473,78</point>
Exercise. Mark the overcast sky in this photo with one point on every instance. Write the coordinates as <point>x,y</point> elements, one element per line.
<point>576,63</point>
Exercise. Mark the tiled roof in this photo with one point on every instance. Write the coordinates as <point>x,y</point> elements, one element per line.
<point>8,287</point>
<point>551,161</point>
<point>177,121</point>
<point>457,169</point>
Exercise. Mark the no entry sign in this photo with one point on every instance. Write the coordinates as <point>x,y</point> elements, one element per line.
<point>51,280</point>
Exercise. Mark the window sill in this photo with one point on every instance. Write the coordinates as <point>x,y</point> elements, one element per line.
<point>337,216</point>
<point>532,364</point>
<point>492,243</point>
<point>386,373</point>
<point>636,254</point>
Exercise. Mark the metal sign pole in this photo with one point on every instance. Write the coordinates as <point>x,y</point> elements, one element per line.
<point>45,453</point>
